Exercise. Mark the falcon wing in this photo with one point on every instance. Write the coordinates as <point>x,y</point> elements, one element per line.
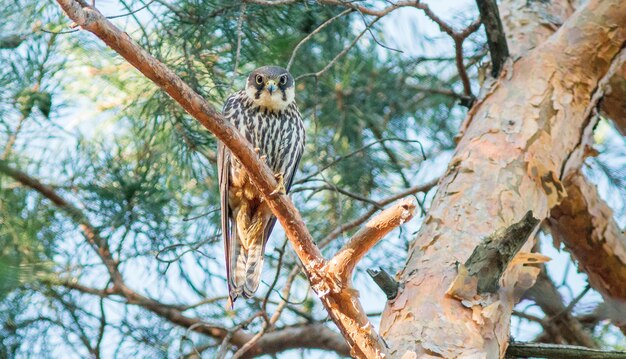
<point>289,176</point>
<point>223,170</point>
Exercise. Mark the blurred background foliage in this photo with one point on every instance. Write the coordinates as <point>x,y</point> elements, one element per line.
<point>75,116</point>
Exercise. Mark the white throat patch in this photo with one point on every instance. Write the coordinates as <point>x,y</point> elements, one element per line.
<point>273,102</point>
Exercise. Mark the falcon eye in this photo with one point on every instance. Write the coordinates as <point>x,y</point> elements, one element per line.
<point>283,80</point>
<point>259,80</point>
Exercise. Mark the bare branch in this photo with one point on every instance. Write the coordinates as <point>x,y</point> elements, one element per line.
<point>343,263</point>
<point>365,216</point>
<point>559,321</point>
<point>490,17</point>
<point>338,298</point>
<point>92,235</point>
<point>172,313</point>
<point>313,33</point>
<point>585,224</point>
<point>555,351</point>
<point>280,340</point>
<point>385,282</point>
<point>494,253</point>
<point>341,54</point>
<point>93,21</point>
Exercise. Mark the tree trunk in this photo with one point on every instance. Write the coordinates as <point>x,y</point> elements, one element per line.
<point>583,222</point>
<point>528,132</point>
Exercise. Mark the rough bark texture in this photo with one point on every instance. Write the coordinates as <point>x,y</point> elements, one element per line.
<point>613,105</point>
<point>494,254</point>
<point>585,224</point>
<point>516,145</point>
<point>596,243</point>
<point>528,23</point>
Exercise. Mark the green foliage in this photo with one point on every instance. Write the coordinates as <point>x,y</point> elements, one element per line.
<point>142,171</point>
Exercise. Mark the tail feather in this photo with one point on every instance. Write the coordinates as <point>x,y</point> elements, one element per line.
<point>246,251</point>
<point>237,266</point>
<point>254,265</point>
<point>246,266</point>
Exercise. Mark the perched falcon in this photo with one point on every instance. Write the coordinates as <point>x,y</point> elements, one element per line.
<point>265,112</point>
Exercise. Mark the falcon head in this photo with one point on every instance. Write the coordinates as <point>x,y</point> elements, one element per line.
<point>272,87</point>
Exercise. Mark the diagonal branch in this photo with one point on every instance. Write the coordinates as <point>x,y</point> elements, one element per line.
<point>585,224</point>
<point>559,323</point>
<point>343,263</point>
<point>338,298</point>
<point>92,20</point>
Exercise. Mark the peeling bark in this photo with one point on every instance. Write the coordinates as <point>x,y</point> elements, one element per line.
<point>613,105</point>
<point>529,23</point>
<point>585,224</point>
<point>491,258</point>
<point>517,143</point>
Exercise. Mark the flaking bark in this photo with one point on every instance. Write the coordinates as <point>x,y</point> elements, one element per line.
<point>494,253</point>
<point>585,224</point>
<point>528,132</point>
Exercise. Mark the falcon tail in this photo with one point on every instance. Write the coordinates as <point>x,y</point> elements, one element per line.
<point>246,264</point>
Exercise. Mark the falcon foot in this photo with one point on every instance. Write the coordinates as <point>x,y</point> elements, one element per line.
<point>280,189</point>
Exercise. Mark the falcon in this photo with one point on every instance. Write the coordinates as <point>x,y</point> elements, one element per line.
<point>266,114</point>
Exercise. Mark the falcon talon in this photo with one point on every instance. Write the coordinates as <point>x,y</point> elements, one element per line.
<point>280,189</point>
<point>266,114</point>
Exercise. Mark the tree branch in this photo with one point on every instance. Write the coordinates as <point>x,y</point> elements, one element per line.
<point>498,48</point>
<point>365,216</point>
<point>280,340</point>
<point>385,282</point>
<point>555,351</point>
<point>559,321</point>
<point>173,313</point>
<point>338,298</point>
<point>343,263</point>
<point>92,235</point>
<point>585,224</point>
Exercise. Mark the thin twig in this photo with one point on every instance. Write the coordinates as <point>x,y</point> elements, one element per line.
<point>365,216</point>
<point>242,14</point>
<point>358,150</point>
<point>131,12</point>
<point>313,33</point>
<point>340,54</point>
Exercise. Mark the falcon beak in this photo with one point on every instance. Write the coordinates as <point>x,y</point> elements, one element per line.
<point>271,86</point>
